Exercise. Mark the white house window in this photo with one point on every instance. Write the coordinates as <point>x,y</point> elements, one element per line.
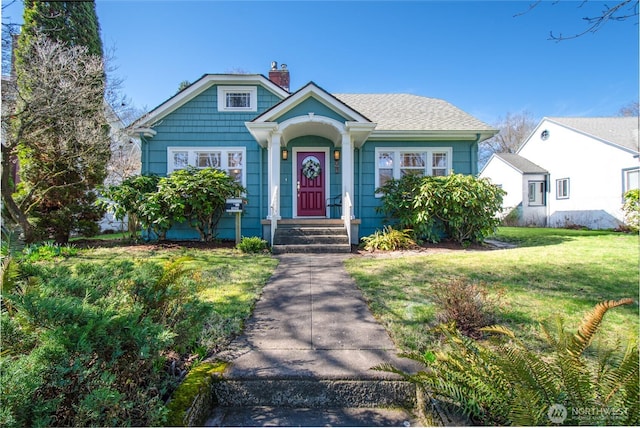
<point>631,179</point>
<point>394,163</point>
<point>412,164</point>
<point>237,98</point>
<point>228,159</point>
<point>536,193</point>
<point>562,188</point>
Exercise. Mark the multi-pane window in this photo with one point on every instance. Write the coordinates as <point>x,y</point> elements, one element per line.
<point>412,163</point>
<point>396,163</point>
<point>562,188</point>
<point>385,168</point>
<point>237,98</point>
<point>440,164</point>
<point>229,160</point>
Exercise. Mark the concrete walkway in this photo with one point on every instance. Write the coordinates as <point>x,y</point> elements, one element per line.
<point>312,324</point>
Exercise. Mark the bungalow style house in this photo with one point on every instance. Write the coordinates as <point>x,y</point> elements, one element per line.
<point>308,157</point>
<point>570,172</point>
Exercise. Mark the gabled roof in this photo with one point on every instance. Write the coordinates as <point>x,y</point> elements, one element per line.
<point>201,85</point>
<point>523,165</point>
<point>407,112</point>
<point>307,91</point>
<point>620,131</point>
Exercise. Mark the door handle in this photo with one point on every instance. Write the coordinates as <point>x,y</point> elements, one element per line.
<point>298,187</point>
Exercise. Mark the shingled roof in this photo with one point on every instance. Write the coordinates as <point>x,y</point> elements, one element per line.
<point>406,112</point>
<point>523,165</point>
<point>622,131</point>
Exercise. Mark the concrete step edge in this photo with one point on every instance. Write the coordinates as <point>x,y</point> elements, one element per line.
<point>314,393</point>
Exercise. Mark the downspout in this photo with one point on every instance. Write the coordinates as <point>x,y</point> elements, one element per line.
<point>260,183</point>
<point>474,156</point>
<point>359,203</point>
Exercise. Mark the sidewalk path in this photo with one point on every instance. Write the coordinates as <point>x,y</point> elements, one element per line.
<point>312,321</point>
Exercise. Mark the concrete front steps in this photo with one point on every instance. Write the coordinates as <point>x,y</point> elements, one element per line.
<point>313,402</point>
<point>311,236</point>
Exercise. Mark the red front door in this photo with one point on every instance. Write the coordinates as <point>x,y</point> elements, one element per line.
<point>311,193</point>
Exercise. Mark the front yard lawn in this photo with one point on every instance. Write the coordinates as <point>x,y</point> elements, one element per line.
<point>551,272</point>
<point>102,336</point>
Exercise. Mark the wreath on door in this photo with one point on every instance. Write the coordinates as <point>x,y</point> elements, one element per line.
<point>311,167</point>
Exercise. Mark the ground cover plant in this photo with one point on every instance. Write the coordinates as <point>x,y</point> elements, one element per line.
<point>552,271</point>
<point>506,383</point>
<point>103,336</point>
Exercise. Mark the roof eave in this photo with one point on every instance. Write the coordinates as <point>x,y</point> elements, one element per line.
<point>432,135</point>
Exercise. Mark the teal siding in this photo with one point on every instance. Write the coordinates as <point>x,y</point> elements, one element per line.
<point>199,124</point>
<point>365,201</point>
<point>310,105</point>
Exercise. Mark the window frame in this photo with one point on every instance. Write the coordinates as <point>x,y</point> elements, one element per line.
<point>625,178</point>
<point>543,191</point>
<point>252,91</point>
<point>397,156</point>
<point>192,157</point>
<point>559,183</point>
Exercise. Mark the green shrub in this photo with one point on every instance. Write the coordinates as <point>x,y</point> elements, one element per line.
<point>86,345</point>
<point>506,383</point>
<point>389,240</point>
<point>458,206</point>
<point>631,209</point>
<point>252,245</point>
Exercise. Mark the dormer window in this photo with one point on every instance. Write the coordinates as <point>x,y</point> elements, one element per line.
<point>237,98</point>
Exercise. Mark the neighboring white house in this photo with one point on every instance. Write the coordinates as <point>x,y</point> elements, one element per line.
<point>125,162</point>
<point>570,171</point>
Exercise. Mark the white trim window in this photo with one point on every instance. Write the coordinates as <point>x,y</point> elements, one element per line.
<point>231,160</point>
<point>395,163</point>
<point>536,193</point>
<point>631,179</point>
<point>237,98</point>
<point>562,188</point>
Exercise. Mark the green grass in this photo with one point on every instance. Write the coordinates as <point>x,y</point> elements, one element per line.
<point>551,272</point>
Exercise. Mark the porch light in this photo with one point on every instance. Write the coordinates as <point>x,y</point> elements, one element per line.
<point>285,154</point>
<point>336,158</point>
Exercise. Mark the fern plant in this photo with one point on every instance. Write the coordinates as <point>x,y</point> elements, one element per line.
<point>506,383</point>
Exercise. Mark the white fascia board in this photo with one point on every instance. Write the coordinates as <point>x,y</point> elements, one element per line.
<point>200,86</point>
<point>430,135</point>
<point>360,131</point>
<point>311,90</point>
<point>261,132</point>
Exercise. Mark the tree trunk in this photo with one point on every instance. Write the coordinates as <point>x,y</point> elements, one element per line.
<point>6,189</point>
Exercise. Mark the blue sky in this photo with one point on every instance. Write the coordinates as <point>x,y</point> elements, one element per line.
<point>476,54</point>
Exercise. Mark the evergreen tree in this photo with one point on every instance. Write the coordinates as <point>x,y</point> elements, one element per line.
<point>73,23</point>
<point>62,151</point>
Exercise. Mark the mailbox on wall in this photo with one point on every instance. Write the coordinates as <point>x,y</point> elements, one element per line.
<point>234,205</point>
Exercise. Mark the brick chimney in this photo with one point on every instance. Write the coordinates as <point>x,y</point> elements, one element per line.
<point>279,77</point>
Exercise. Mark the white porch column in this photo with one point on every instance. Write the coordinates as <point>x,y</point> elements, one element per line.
<point>273,147</point>
<point>347,167</point>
